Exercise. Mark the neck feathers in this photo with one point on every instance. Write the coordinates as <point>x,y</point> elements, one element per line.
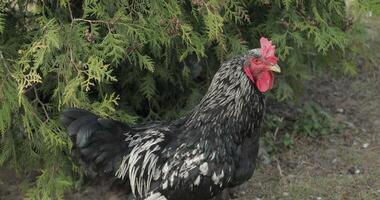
<point>230,105</point>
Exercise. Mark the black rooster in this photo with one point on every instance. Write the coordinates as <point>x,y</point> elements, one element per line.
<point>195,157</point>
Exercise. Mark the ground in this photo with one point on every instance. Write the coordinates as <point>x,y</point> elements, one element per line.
<point>343,165</point>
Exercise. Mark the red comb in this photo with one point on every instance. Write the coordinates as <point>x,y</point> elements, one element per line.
<point>267,50</point>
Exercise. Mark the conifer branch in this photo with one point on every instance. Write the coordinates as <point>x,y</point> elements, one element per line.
<point>108,23</point>
<point>41,103</point>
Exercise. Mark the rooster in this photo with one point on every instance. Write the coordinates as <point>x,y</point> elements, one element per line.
<point>196,157</point>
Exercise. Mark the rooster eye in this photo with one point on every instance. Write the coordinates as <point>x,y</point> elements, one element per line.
<point>255,61</point>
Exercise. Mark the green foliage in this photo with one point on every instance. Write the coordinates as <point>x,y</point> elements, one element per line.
<point>138,60</point>
<point>272,140</point>
<point>361,7</point>
<point>309,121</point>
<point>51,184</point>
<point>288,141</point>
<point>2,20</point>
<point>314,122</point>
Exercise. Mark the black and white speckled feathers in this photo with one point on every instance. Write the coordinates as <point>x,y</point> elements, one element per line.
<point>195,157</point>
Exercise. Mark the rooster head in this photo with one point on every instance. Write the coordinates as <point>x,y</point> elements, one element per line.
<point>260,68</point>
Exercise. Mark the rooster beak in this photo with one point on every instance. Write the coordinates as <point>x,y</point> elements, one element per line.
<point>275,68</point>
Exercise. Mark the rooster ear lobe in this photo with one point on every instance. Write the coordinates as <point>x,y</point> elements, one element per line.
<point>248,72</point>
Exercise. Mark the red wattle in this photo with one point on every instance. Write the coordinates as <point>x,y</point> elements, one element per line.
<point>264,81</point>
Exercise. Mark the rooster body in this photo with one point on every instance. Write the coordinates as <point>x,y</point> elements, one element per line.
<point>193,158</point>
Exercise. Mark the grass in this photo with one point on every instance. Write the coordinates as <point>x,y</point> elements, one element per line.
<point>321,172</point>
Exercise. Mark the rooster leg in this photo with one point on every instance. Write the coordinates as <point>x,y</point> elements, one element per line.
<point>224,195</point>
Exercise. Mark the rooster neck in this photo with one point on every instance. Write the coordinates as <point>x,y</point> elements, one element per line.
<point>232,108</point>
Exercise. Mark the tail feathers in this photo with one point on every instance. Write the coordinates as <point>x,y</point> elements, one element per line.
<point>100,142</point>
<point>71,114</point>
